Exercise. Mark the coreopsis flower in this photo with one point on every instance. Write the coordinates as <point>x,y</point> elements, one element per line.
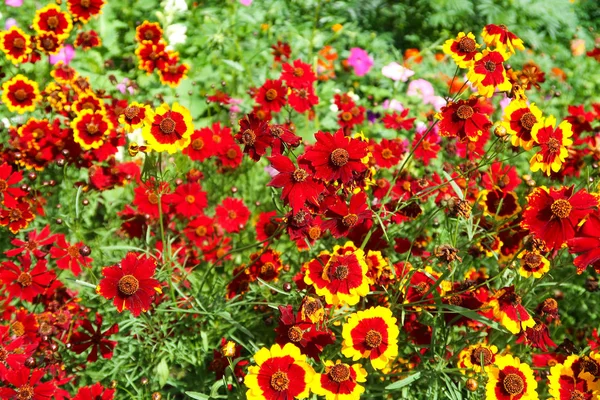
<point>280,372</point>
<point>147,197</point>
<point>148,31</point>
<point>337,157</point>
<point>303,99</point>
<point>536,337</point>
<point>283,138</point>
<point>398,121</point>
<point>254,134</point>
<point>201,143</point>
<point>509,379</point>
<point>340,276</point>
<point>421,286</point>
<point>462,49</point>
<point>509,311</point>
<point>499,203</point>
<point>130,283</point>
<point>387,153</point>
<point>27,385</point>
<point>344,217</point>
<point>500,37</point>
<point>340,381</point>
<point>48,43</point>
<point>68,256</point>
<point>465,119</point>
<point>501,176</point>
<point>93,337</point>
<point>228,350</point>
<point>168,129</point>
<point>271,95</point>
<point>63,73</point>
<point>426,148</point>
<point>565,384</point>
<point>297,183</point>
<point>91,129</point>
<point>553,215</point>
<point>96,392</point>
<point>133,116</point>
<point>230,156</point>
<point>87,40</point>
<point>553,142</point>
<point>531,75</point>
<point>20,94</point>
<point>488,74</point>
<point>371,334</point>
<point>587,243</point>
<point>232,214</point>
<point>14,351</point>
<point>173,71</point>
<point>189,200</point>
<point>16,217</point>
<point>580,120</point>
<point>532,263</point>
<point>36,243</point>
<point>15,44</point>
<point>477,357</point>
<point>151,55</point>
<point>10,193</point>
<point>88,101</point>
<point>299,75</point>
<point>350,116</point>
<point>265,264</point>
<point>25,281</point>
<point>51,19</point>
<point>519,119</point>
<point>83,10</point>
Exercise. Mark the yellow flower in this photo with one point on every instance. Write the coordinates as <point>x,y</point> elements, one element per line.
<point>509,378</point>
<point>476,357</point>
<point>462,49</point>
<point>533,264</point>
<point>168,129</point>
<point>553,145</point>
<point>134,116</point>
<point>340,381</point>
<point>487,73</point>
<point>20,94</point>
<point>337,27</point>
<point>16,44</point>
<point>519,119</point>
<point>563,379</point>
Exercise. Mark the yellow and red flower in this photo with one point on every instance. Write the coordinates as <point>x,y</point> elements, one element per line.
<point>51,19</point>
<point>500,37</point>
<point>88,101</point>
<point>553,145</point>
<point>533,264</point>
<point>487,73</point>
<point>509,379</point>
<point>168,129</point>
<point>172,71</point>
<point>16,217</point>
<point>134,116</point>
<point>465,118</point>
<point>340,381</point>
<point>20,94</point>
<point>279,373</point>
<point>587,243</point>
<point>462,49</point>
<point>509,311</point>
<point>565,384</point>
<point>48,43</point>
<point>83,10</point>
<point>476,357</point>
<point>519,119</point>
<point>149,31</point>
<point>63,73</point>
<point>371,334</point>
<point>151,55</point>
<point>16,44</point>
<point>90,129</point>
<point>88,39</point>
<point>340,276</point>
<point>499,203</point>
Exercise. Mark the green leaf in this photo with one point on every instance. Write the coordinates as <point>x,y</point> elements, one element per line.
<point>234,65</point>
<point>403,382</point>
<point>162,372</point>
<point>197,395</point>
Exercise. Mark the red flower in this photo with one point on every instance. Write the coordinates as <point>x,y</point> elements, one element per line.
<point>52,20</point>
<point>16,44</point>
<point>94,338</point>
<point>580,120</point>
<point>281,50</point>
<point>429,147</point>
<point>231,156</point>
<point>343,218</point>
<point>199,229</point>
<point>220,363</point>
<point>14,352</point>
<point>48,43</point>
<point>28,387</point>
<point>536,337</point>
<point>337,157</point>
<point>587,242</point>
<point>151,55</point>
<point>387,153</point>
<point>464,119</point>
<point>20,94</point>
<point>488,73</point>
<point>282,137</point>
<point>148,31</point>
<point>130,283</point>
<point>303,99</point>
<point>271,95</point>
<point>351,115</point>
<point>96,392</point>
<point>254,134</point>
<point>34,243</point>
<point>298,76</point>
<point>24,282</point>
<point>553,215</point>
<point>265,265</point>
<point>232,214</point>
<point>189,200</point>
<point>267,225</point>
<point>398,121</point>
<point>172,71</point>
<point>87,40</point>
<point>147,197</point>
<point>83,10</point>
<point>298,183</point>
<point>69,256</point>
<point>502,176</point>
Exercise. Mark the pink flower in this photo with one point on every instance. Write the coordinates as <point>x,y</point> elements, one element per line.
<point>397,72</point>
<point>421,88</point>
<point>360,61</point>
<point>13,3</point>
<point>246,2</point>
<point>124,86</point>
<point>393,105</point>
<point>10,22</point>
<point>65,55</point>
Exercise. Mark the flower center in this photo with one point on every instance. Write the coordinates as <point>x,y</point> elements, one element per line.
<point>131,112</point>
<point>339,157</point>
<point>91,128</point>
<point>577,395</point>
<point>201,231</point>
<point>167,125</point>
<point>482,355</point>
<point>271,94</point>
<point>280,381</point>
<point>73,251</point>
<point>295,334</point>
<point>231,154</point>
<point>346,116</point>
<point>465,112</point>
<point>490,66</point>
<point>426,145</point>
<point>249,137</point>
<point>298,72</point>
<point>149,35</point>
<point>17,328</point>
<point>3,354</point>
<point>373,339</point>
<point>52,22</point>
<point>173,69</point>
<point>25,392</point>
<point>25,279</point>
<point>18,43</point>
<point>553,145</point>
<point>387,154</point>
<point>466,45</point>
<point>422,287</point>
<point>561,208</point>
<point>20,95</point>
<point>589,365</point>
<point>231,214</point>
<point>276,131</point>
<point>153,198</point>
<point>350,220</point>
<point>85,3</point>
<point>197,144</point>
<point>314,232</point>
<point>302,93</point>
<point>532,260</point>
<point>3,185</point>
<point>339,373</point>
<point>47,44</point>
<point>300,175</point>
<point>340,272</point>
<point>455,300</point>
<point>528,120</point>
<point>15,215</point>
<point>267,268</point>
<point>128,285</point>
<point>190,198</point>
<point>513,384</point>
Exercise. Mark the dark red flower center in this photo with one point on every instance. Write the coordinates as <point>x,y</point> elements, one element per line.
<point>173,69</point>
<point>18,43</point>
<point>298,72</point>
<point>561,208</point>
<point>482,355</point>
<point>455,300</point>
<point>465,112</point>
<point>85,3</point>
<point>20,94</point>
<point>490,66</point>
<point>248,137</point>
<point>48,44</point>
<point>25,392</point>
<point>128,285</point>
<point>91,128</point>
<point>346,116</point>
<point>422,287</point>
<point>580,119</point>
<point>73,251</point>
<point>153,55</point>
<point>589,365</point>
<point>513,384</point>
<point>350,220</point>
<point>339,157</point>
<point>302,93</point>
<point>387,154</point>
<point>25,279</point>
<point>190,198</point>
<point>3,185</point>
<point>271,94</point>
<point>340,272</point>
<point>201,231</point>
<point>299,175</point>
<point>197,144</point>
<point>131,112</point>
<point>267,268</point>
<point>149,35</point>
<point>231,154</point>
<point>553,145</point>
<point>295,334</point>
<point>466,45</point>
<point>339,373</point>
<point>373,339</point>
<point>167,125</point>
<point>17,328</point>
<point>276,131</point>
<point>528,120</point>
<point>532,260</point>
<point>577,395</point>
<point>280,381</point>
<point>52,22</point>
<point>88,106</point>
<point>299,218</point>
<point>15,215</point>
